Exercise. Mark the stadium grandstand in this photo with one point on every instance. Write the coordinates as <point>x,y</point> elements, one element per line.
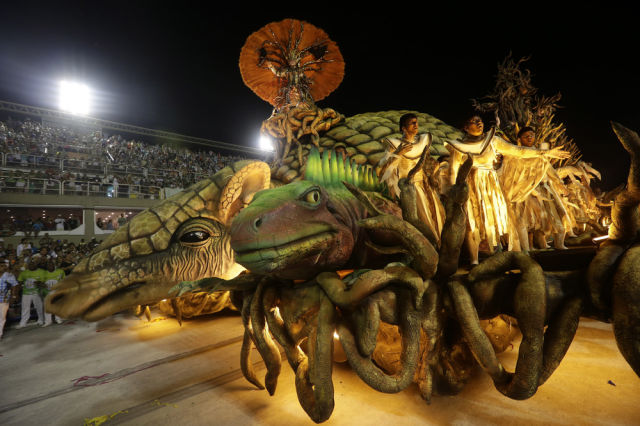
<point>77,178</point>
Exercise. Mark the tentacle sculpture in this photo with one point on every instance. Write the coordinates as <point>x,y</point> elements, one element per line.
<point>309,322</point>
<point>245,363</point>
<point>436,308</point>
<point>531,316</point>
<point>454,228</point>
<point>408,318</point>
<point>626,280</point>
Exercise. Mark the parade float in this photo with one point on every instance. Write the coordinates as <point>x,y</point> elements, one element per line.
<point>318,255</point>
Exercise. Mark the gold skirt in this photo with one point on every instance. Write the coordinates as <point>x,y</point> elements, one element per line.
<point>487,208</point>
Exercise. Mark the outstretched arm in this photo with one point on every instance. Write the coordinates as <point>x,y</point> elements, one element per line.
<point>506,148</point>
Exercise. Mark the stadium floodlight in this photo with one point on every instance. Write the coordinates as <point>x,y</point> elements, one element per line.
<point>265,143</point>
<point>74,97</point>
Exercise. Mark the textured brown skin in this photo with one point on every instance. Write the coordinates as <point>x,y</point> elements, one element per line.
<point>368,283</point>
<point>305,314</point>
<point>313,376</point>
<point>560,333</point>
<point>625,214</point>
<point>565,302</point>
<point>362,299</point>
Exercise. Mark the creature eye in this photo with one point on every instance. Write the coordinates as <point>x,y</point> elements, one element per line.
<point>312,196</point>
<point>194,237</point>
<point>199,233</point>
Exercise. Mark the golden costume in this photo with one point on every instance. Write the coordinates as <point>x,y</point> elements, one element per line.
<point>536,193</point>
<point>580,200</point>
<point>489,213</point>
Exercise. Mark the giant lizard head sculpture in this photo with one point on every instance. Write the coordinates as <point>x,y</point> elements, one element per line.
<point>183,238</point>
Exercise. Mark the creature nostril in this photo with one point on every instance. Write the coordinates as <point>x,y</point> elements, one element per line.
<point>257,223</point>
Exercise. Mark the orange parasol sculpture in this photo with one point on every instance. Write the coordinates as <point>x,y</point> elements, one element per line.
<point>289,62</point>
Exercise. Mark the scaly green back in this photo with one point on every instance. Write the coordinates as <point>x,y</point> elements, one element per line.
<point>331,169</point>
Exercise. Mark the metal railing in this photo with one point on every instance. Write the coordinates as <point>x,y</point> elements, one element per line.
<point>29,161</point>
<point>42,162</point>
<point>10,183</point>
<point>29,185</point>
<point>99,189</point>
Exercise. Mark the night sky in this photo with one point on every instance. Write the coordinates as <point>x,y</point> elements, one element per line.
<point>175,67</point>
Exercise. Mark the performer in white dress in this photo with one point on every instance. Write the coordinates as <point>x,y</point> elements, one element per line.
<point>401,157</point>
<point>488,212</point>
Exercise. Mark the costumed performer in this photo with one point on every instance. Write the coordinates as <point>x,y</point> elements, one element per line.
<point>535,192</point>
<point>487,209</point>
<point>401,156</point>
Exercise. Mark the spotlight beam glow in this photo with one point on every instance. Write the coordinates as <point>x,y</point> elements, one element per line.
<point>266,144</point>
<point>74,98</point>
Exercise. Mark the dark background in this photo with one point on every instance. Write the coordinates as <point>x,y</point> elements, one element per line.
<point>174,66</point>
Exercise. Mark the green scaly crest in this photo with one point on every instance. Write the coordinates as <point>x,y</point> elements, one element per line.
<point>331,169</point>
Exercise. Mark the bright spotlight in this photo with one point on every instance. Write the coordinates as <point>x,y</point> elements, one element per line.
<point>74,97</point>
<point>265,143</point>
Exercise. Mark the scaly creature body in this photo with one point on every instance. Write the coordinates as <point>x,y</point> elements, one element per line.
<point>360,138</point>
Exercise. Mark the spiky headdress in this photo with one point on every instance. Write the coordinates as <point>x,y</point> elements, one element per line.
<point>332,169</point>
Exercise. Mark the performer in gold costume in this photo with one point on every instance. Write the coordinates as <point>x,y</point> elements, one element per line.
<point>536,192</point>
<point>488,212</point>
<point>401,157</point>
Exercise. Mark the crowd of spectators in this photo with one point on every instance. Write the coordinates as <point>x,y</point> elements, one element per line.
<point>82,160</point>
<point>42,258</point>
<point>58,249</point>
<point>43,159</point>
<point>33,227</point>
<point>107,224</point>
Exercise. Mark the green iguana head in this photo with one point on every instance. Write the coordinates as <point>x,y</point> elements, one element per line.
<point>305,227</point>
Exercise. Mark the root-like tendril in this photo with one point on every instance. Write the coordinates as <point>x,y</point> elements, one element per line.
<point>530,310</point>
<point>264,343</point>
<point>410,319</point>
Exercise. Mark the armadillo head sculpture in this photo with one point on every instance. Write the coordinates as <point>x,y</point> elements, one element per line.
<point>183,238</point>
